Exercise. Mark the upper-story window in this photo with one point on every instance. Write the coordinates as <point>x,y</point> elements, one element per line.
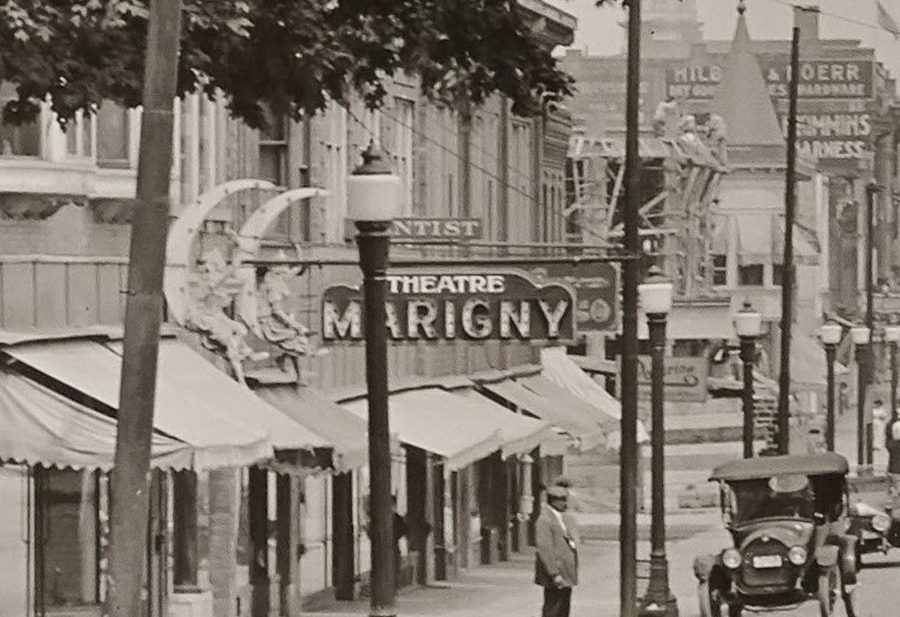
<point>23,140</point>
<point>113,129</point>
<point>273,151</point>
<point>751,275</point>
<point>720,270</point>
<point>80,136</point>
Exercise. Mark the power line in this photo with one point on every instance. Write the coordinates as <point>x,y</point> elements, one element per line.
<point>532,198</point>
<point>858,22</point>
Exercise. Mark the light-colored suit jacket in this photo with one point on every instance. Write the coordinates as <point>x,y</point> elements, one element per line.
<point>557,550</point>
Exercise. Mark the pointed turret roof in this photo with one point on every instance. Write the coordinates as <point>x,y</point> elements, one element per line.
<point>742,98</point>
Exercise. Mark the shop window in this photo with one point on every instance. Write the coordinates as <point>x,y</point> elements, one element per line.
<point>113,129</point>
<point>750,275</point>
<point>80,135</point>
<point>67,529</point>
<point>777,273</point>
<point>719,270</point>
<point>23,140</point>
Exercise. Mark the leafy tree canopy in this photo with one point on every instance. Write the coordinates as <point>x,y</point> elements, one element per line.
<point>291,56</point>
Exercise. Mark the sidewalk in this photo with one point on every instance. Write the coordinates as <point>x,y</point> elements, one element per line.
<point>507,590</point>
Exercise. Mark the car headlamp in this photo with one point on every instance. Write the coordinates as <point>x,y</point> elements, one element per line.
<point>881,523</point>
<point>731,558</point>
<point>797,555</point>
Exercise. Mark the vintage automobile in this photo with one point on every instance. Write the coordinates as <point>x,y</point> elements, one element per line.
<point>876,527</point>
<point>787,517</point>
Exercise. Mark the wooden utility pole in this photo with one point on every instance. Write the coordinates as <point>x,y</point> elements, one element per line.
<point>787,270</point>
<point>129,489</point>
<point>628,453</point>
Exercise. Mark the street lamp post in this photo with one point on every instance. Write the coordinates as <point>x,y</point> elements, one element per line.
<point>656,300</point>
<point>748,326</point>
<point>892,336</point>
<point>831,337</point>
<point>861,336</point>
<point>373,198</point>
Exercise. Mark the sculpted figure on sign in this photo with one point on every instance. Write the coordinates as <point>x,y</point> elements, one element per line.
<point>666,117</point>
<point>213,291</point>
<point>275,323</point>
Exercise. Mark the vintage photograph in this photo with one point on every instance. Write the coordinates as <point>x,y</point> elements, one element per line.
<point>449,308</point>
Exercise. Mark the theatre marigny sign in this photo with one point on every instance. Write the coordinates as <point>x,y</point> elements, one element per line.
<point>833,120</point>
<point>435,305</point>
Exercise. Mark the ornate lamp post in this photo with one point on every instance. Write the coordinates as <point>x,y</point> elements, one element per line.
<point>656,300</point>
<point>748,326</point>
<point>830,333</point>
<point>861,336</point>
<point>373,200</point>
<point>892,336</point>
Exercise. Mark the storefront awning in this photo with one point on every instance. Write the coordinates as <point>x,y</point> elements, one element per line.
<point>437,421</point>
<point>221,421</point>
<point>520,433</point>
<point>755,239</point>
<point>562,371</point>
<point>42,427</point>
<point>346,432</point>
<point>808,366</point>
<point>588,432</point>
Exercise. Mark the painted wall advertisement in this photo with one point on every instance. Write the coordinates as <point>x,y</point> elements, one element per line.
<point>833,122</point>
<point>685,379</point>
<point>436,305</point>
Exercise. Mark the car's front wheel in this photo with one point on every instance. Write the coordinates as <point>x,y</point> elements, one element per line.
<point>827,590</point>
<point>710,604</point>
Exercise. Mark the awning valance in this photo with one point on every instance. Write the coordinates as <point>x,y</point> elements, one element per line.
<point>217,418</point>
<point>345,431</point>
<point>520,433</point>
<point>562,371</point>
<point>436,420</point>
<point>588,432</point>
<point>42,427</point>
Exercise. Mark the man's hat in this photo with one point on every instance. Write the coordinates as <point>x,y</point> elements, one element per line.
<point>557,492</point>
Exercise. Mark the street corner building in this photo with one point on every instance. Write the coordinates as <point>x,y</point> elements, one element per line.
<point>259,499</point>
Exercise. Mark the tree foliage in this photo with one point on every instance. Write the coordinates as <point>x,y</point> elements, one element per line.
<point>291,56</point>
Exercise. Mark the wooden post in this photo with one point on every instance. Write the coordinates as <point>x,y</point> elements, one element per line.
<point>288,539</point>
<point>416,480</point>
<point>143,314</point>
<point>185,562</point>
<point>258,517</point>
<point>342,567</point>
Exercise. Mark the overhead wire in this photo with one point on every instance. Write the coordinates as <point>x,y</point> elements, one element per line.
<point>851,20</point>
<point>531,198</point>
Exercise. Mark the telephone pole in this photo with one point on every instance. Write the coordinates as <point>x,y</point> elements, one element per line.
<point>129,486</point>
<point>787,270</point>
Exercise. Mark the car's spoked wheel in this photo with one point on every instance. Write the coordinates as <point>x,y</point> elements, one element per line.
<point>849,597</point>
<point>828,589</point>
<point>710,604</point>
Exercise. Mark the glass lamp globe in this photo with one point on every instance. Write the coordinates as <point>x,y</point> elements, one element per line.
<point>747,322</point>
<point>831,333</point>
<point>656,294</point>
<point>892,333</point>
<point>860,334</point>
<point>373,191</point>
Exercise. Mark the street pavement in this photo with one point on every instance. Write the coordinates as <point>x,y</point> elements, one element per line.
<point>506,589</point>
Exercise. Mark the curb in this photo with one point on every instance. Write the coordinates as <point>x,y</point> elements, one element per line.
<point>675,529</point>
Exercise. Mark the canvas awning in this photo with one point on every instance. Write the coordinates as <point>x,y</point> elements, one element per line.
<point>435,420</point>
<point>808,367</point>
<point>755,239</point>
<point>561,370</point>
<point>346,432</point>
<point>806,245</point>
<point>520,433</point>
<point>587,431</point>
<point>42,427</point>
<point>221,421</point>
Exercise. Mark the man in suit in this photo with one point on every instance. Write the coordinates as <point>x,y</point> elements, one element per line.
<point>556,560</point>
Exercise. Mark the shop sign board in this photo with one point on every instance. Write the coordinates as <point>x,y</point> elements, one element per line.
<point>438,228</point>
<point>685,379</point>
<point>819,79</point>
<point>446,305</point>
<point>596,288</point>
